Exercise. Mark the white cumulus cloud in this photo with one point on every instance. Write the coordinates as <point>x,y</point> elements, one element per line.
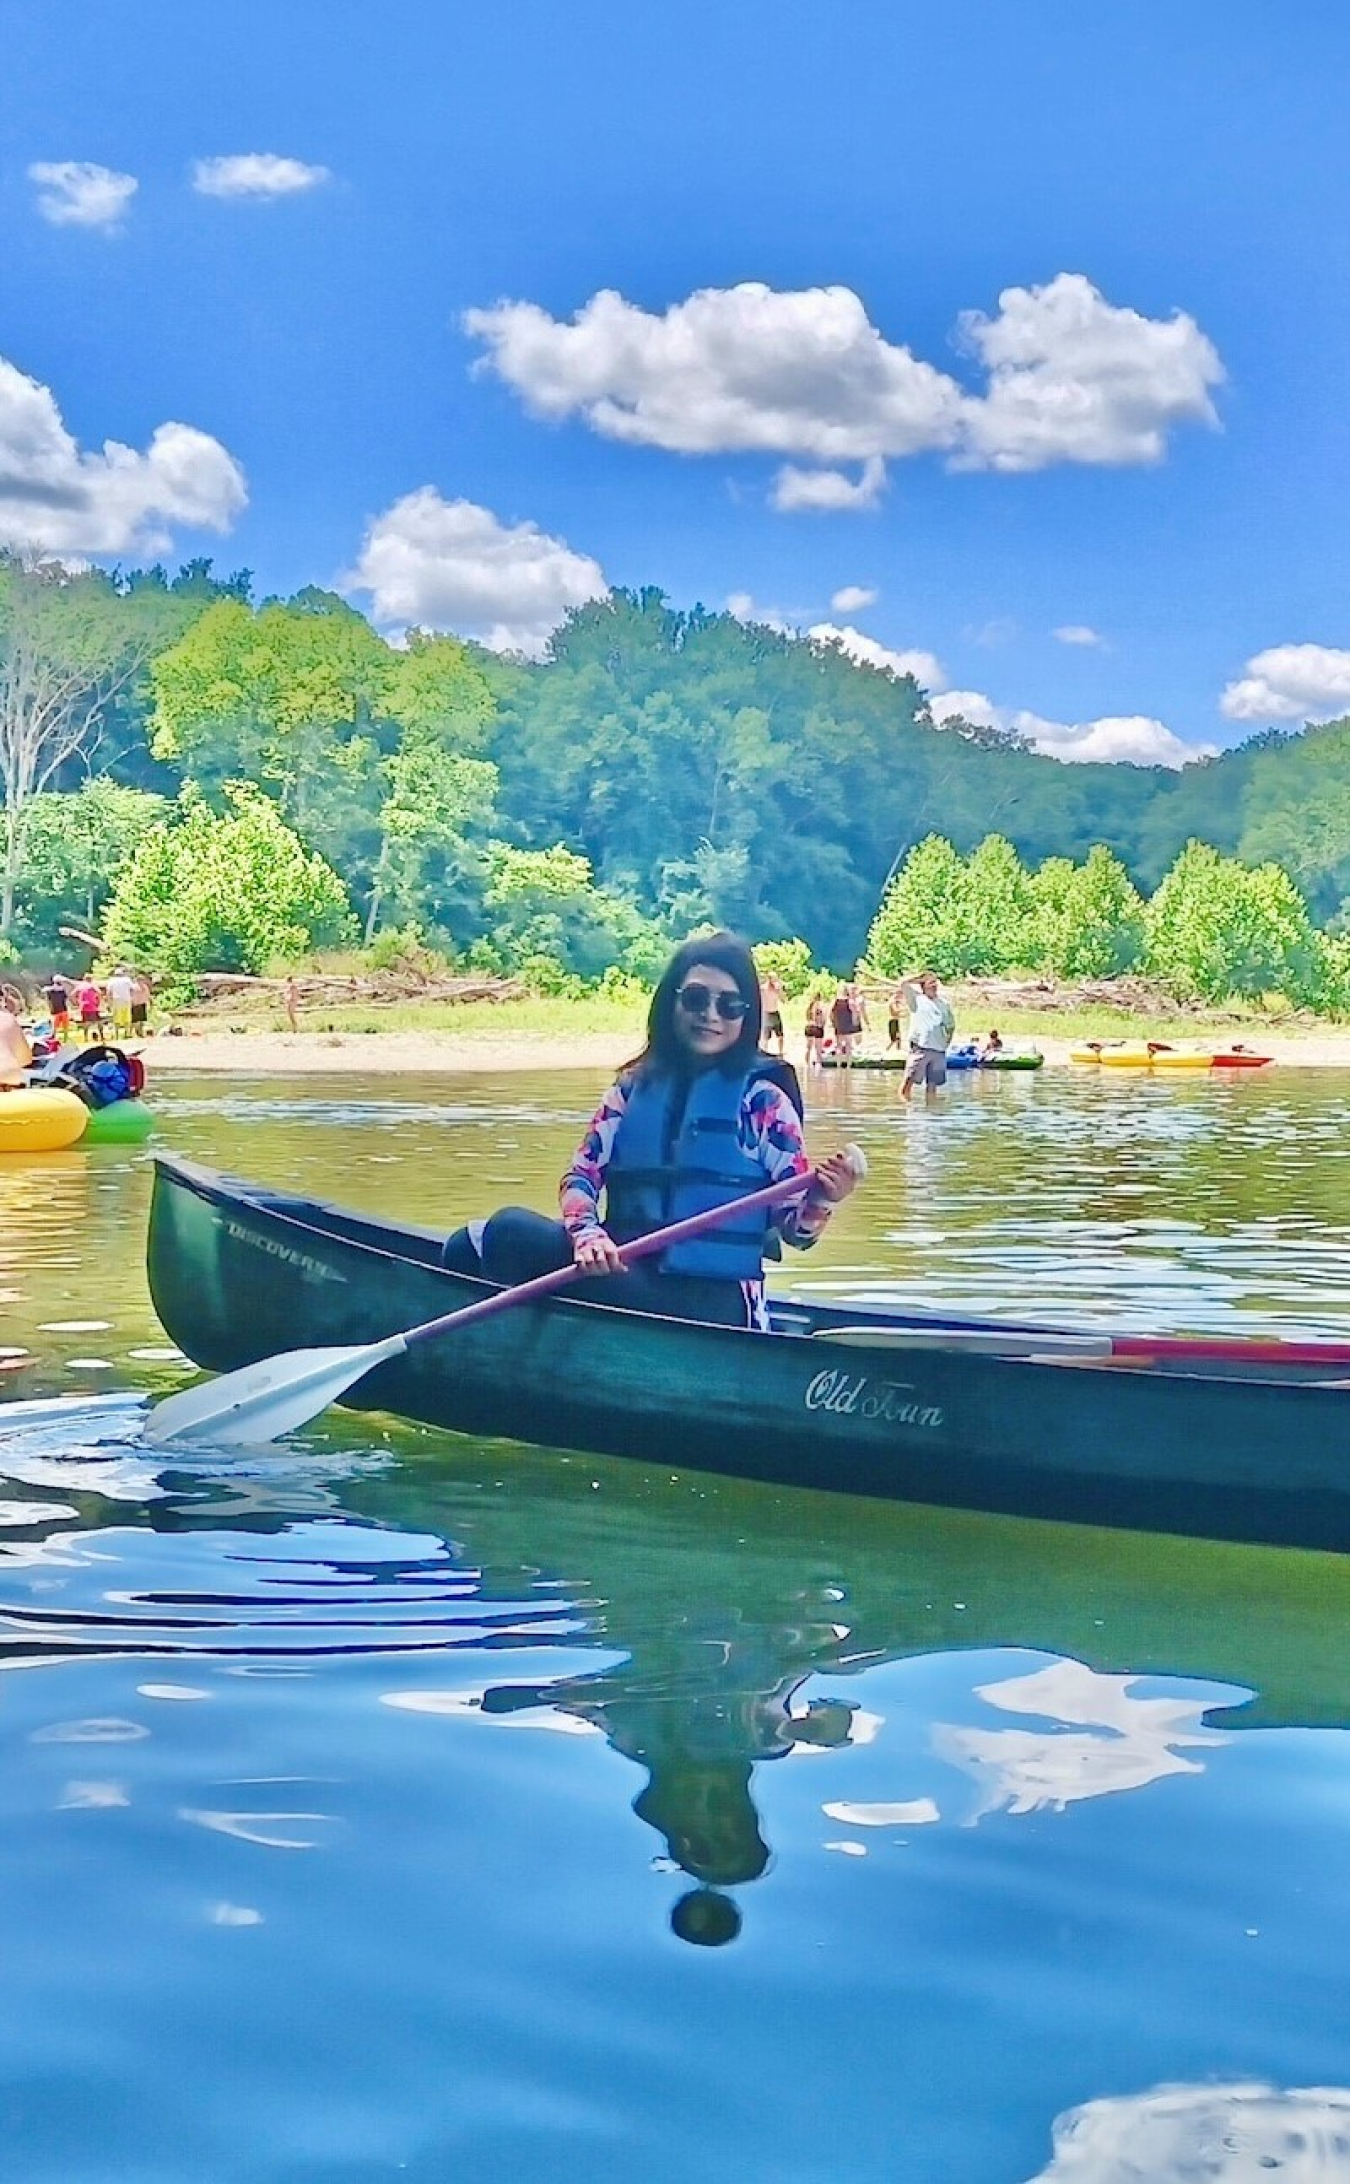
<point>971,705</point>
<point>452,565</point>
<point>1291,682</point>
<point>77,193</point>
<point>1133,739</point>
<point>790,373</point>
<point>925,667</point>
<point>1076,633</point>
<point>114,501</point>
<point>255,174</point>
<point>853,598</point>
<point>827,492</point>
<point>1075,379</point>
<point>805,374</point>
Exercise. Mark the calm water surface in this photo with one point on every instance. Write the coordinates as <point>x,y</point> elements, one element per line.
<point>391,1806</point>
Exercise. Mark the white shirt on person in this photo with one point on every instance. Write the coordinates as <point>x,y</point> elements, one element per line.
<point>931,1022</point>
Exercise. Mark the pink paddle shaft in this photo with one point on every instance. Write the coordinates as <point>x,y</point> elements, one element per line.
<point>543,1285</point>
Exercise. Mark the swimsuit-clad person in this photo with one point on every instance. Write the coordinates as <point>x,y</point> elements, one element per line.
<point>814,1033</point>
<point>844,1025</point>
<point>771,1000</point>
<point>700,1117</point>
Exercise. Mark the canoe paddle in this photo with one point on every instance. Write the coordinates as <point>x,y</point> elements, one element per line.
<point>263,1401</point>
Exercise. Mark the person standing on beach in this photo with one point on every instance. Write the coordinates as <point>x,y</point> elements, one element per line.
<point>771,1001</point>
<point>140,1006</point>
<point>89,1008</point>
<point>121,992</point>
<point>56,993</point>
<point>898,1011</point>
<point>931,1024</point>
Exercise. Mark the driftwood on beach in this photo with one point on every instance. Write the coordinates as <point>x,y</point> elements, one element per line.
<point>1132,996</point>
<point>401,982</point>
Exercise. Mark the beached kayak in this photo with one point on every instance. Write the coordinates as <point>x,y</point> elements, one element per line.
<point>1145,1057</point>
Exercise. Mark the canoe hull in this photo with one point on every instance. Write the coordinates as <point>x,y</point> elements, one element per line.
<point>238,1274</point>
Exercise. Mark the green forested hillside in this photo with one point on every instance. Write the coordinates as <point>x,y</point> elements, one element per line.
<point>703,767</point>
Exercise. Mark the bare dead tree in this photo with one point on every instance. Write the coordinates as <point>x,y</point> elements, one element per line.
<point>69,642</point>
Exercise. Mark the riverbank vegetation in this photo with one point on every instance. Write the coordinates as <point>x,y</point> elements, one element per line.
<point>213,783</point>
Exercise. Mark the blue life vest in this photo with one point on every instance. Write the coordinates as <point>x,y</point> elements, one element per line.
<point>666,1166</point>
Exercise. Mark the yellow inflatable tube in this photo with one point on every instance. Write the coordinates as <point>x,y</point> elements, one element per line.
<point>40,1121</point>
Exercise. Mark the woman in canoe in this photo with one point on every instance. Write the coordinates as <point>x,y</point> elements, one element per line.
<point>698,1118</point>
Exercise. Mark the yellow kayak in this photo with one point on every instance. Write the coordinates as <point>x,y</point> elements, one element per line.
<point>39,1121</point>
<point>1141,1057</point>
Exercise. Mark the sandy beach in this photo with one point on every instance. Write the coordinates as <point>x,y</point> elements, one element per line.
<point>399,1053</point>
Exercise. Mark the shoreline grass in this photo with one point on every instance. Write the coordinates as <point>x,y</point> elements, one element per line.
<point>562,1017</point>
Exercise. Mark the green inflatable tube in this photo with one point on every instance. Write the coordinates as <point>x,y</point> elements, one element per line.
<point>125,1122</point>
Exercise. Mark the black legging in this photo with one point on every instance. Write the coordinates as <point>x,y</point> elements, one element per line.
<point>518,1244</point>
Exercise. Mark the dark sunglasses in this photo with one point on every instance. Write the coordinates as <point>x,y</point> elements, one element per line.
<point>699,1000</point>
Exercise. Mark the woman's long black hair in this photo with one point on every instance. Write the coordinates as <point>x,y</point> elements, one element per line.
<point>721,952</point>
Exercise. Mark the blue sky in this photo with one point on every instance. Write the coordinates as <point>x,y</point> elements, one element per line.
<point>1020,318</point>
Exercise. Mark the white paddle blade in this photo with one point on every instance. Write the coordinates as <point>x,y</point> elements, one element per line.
<point>264,1401</point>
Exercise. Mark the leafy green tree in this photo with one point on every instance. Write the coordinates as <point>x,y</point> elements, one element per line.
<point>924,918</point>
<point>435,688</point>
<point>956,915</point>
<point>77,846</point>
<point>288,698</point>
<point>544,906</point>
<point>1088,919</point>
<point>228,891</point>
<point>440,798</point>
<point>1296,812</point>
<point>436,819</point>
<point>1000,907</point>
<point>1216,927</point>
<point>1334,973</point>
<point>70,642</point>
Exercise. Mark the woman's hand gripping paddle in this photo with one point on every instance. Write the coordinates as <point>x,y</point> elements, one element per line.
<point>263,1401</point>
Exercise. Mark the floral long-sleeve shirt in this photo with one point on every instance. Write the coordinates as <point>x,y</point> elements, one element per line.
<point>770,1132</point>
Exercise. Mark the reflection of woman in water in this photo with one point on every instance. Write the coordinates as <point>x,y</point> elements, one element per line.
<point>700,1745</point>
